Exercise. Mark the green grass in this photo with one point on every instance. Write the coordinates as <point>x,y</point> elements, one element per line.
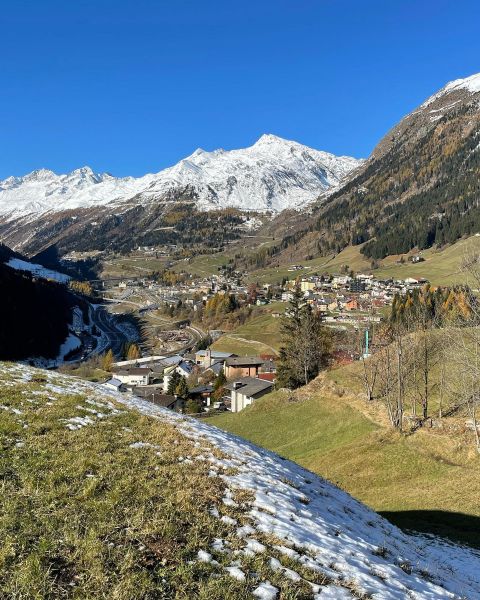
<point>267,422</point>
<point>427,479</point>
<point>441,266</point>
<point>260,335</point>
<point>203,265</point>
<point>84,515</point>
<point>131,266</point>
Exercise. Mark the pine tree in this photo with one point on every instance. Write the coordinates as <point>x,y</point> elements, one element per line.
<point>181,389</point>
<point>220,381</point>
<point>306,344</point>
<point>173,382</point>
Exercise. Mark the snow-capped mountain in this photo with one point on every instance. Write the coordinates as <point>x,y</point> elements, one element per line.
<point>467,85</point>
<point>272,175</point>
<point>419,187</point>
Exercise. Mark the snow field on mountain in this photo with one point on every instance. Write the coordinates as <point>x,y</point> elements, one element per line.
<point>273,174</point>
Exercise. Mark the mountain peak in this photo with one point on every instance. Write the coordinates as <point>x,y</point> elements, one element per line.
<point>82,171</point>
<point>268,139</point>
<point>272,175</point>
<point>39,175</point>
<point>472,84</point>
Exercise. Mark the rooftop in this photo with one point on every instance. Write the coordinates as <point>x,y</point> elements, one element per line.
<point>243,361</point>
<point>250,386</point>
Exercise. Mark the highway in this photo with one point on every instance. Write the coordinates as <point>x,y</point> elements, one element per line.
<point>114,337</point>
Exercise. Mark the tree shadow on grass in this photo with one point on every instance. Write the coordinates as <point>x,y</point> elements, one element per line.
<point>456,527</point>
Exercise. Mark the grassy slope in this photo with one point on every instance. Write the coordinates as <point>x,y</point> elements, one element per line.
<point>260,335</point>
<point>84,515</point>
<point>426,480</point>
<point>441,267</point>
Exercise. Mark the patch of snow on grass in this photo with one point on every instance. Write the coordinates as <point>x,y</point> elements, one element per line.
<point>335,535</point>
<point>203,556</point>
<point>236,573</point>
<point>265,591</point>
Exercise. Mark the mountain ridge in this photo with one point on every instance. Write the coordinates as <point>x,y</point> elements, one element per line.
<point>419,187</point>
<point>271,175</point>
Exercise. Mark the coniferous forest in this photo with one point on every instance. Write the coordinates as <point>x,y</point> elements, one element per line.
<point>35,315</point>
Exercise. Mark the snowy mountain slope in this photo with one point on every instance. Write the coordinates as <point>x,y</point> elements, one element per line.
<point>470,85</point>
<point>273,174</point>
<point>295,526</point>
<point>37,270</point>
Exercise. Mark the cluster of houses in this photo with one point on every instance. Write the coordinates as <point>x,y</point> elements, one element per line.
<point>247,379</point>
<point>339,297</point>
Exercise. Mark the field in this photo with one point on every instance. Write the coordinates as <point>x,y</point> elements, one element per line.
<point>441,267</point>
<point>260,335</point>
<point>203,265</point>
<point>425,481</point>
<point>101,501</point>
<point>132,266</point>
<point>107,496</point>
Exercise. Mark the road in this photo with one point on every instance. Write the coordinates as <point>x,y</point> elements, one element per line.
<point>114,337</point>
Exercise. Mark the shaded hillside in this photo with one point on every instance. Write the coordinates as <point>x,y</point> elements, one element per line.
<point>83,229</point>
<point>35,315</point>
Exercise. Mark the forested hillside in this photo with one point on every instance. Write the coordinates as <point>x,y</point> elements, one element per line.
<point>420,187</point>
<point>35,315</point>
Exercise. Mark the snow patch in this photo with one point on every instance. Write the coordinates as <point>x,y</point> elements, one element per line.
<point>34,269</point>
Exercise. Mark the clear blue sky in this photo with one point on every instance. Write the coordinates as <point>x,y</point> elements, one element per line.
<point>132,86</point>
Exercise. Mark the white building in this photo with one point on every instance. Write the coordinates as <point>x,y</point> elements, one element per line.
<point>246,390</point>
<point>134,376</point>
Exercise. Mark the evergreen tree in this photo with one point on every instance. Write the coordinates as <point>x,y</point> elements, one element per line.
<point>193,407</point>
<point>306,344</point>
<point>173,382</point>
<point>220,381</point>
<point>181,389</point>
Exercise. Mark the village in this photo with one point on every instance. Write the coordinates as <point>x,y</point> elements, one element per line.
<point>212,380</point>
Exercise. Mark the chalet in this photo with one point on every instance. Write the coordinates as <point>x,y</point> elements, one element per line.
<point>164,400</point>
<point>216,368</point>
<point>307,285</point>
<point>242,366</point>
<point>322,306</point>
<point>351,304</point>
<point>246,390</point>
<point>134,375</point>
<point>114,384</point>
<point>202,393</point>
<point>183,368</point>
<point>205,358</point>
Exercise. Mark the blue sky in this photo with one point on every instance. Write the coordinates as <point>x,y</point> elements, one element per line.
<point>132,86</point>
